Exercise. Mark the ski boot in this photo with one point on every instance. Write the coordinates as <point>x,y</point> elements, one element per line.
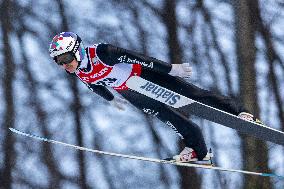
<point>249,117</point>
<point>188,155</point>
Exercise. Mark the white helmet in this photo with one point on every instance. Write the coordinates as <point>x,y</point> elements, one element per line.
<point>67,42</point>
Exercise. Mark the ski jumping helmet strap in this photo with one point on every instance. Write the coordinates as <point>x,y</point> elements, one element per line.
<point>79,50</point>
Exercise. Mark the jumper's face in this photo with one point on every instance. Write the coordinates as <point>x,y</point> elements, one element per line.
<point>71,67</point>
<point>67,61</point>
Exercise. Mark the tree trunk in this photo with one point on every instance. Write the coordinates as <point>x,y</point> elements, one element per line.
<point>171,23</point>
<point>76,108</point>
<point>189,177</point>
<point>46,152</point>
<point>8,93</point>
<point>254,152</point>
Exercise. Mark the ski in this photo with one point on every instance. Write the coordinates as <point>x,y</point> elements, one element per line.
<point>171,162</point>
<point>204,111</point>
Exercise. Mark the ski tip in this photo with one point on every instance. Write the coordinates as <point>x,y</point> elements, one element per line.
<point>15,130</point>
<point>12,129</point>
<point>18,131</point>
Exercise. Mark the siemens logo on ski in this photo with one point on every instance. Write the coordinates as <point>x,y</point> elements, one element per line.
<point>161,93</point>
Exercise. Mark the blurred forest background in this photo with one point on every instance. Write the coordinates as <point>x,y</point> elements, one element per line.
<point>236,47</point>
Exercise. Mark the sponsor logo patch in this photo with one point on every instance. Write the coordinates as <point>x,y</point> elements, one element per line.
<point>161,93</point>
<point>157,92</point>
<point>174,128</point>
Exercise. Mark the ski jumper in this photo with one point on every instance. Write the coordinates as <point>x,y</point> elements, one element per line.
<point>110,66</point>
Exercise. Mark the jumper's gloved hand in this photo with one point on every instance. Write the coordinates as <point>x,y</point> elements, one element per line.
<point>183,70</point>
<point>119,103</point>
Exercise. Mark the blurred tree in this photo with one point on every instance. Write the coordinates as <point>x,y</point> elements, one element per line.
<point>158,145</point>
<point>254,152</point>
<point>273,58</point>
<point>167,14</point>
<point>76,108</point>
<point>189,177</point>
<point>46,153</point>
<point>211,43</point>
<point>154,28</point>
<point>6,180</point>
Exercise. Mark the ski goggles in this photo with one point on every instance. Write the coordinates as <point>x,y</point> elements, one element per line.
<point>65,58</point>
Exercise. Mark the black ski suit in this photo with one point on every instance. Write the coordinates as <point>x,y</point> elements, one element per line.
<point>108,65</point>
